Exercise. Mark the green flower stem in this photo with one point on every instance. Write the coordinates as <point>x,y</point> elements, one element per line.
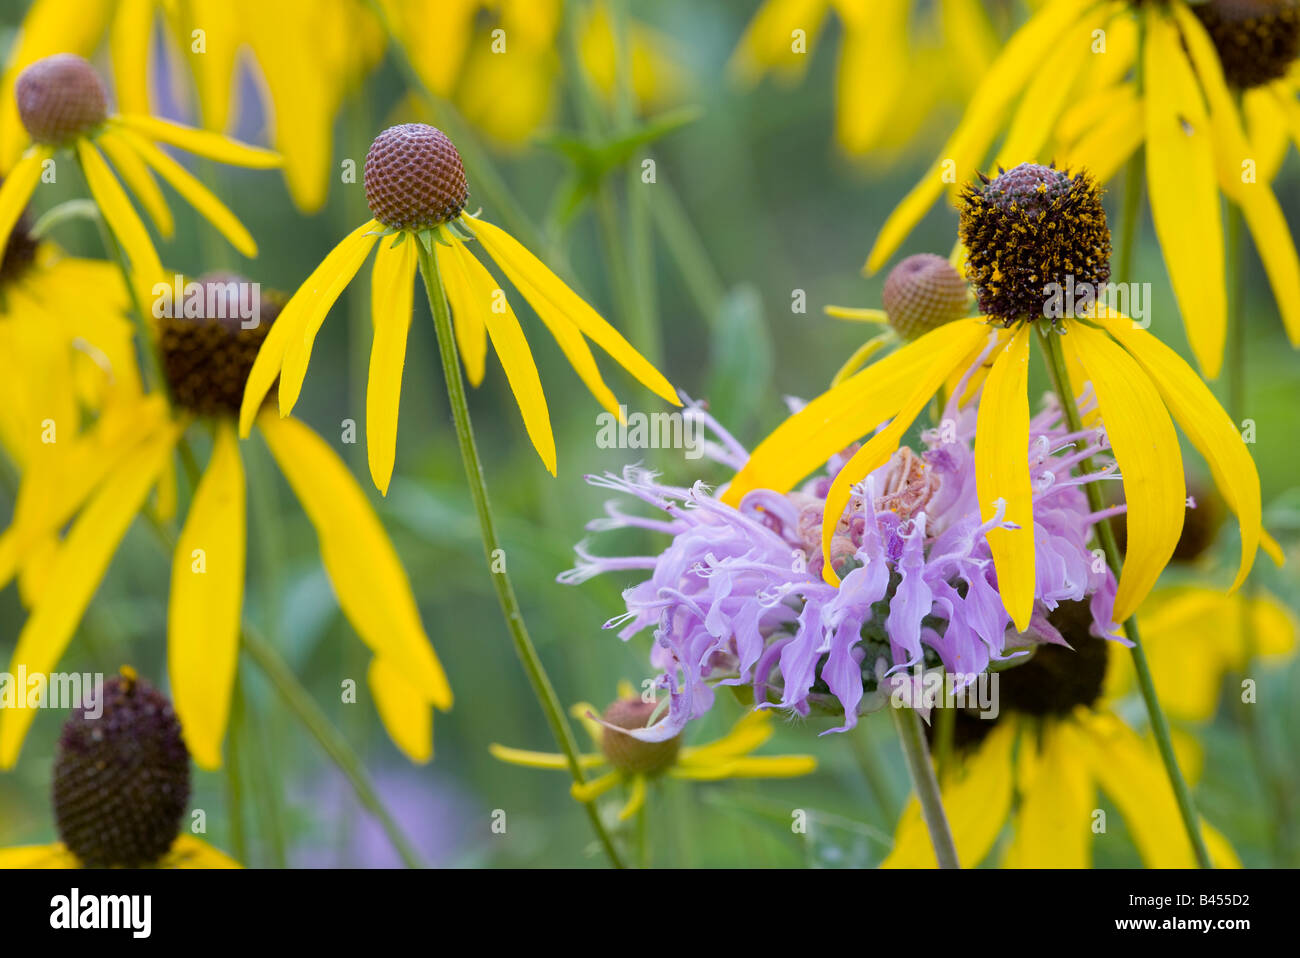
<point>532,664</point>
<point>335,745</point>
<point>234,775</point>
<point>917,756</point>
<point>1130,216</point>
<point>1159,725</point>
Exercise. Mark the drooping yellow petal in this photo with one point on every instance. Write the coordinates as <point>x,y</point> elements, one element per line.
<point>207,601</point>
<point>977,802</point>
<point>120,215</point>
<point>781,36</point>
<point>1182,184</point>
<point>1252,193</point>
<point>55,855</point>
<point>592,790</point>
<point>392,291</point>
<point>214,146</point>
<point>635,799</point>
<point>1053,823</point>
<point>1020,60</point>
<point>549,760</point>
<point>369,581</point>
<point>1146,447</point>
<point>762,766</point>
<point>467,320</point>
<point>129,37</point>
<point>1130,772</point>
<point>1111,136</point>
<point>860,356</point>
<point>1002,473</point>
<point>18,188</point>
<point>511,348</point>
<point>845,413</point>
<point>536,281</point>
<point>752,730</point>
<point>194,193</point>
<point>406,714</point>
<point>306,311</point>
<point>871,72</point>
<point>1207,427</point>
<point>77,572</point>
<point>138,179</point>
<point>948,353</point>
<point>858,315</point>
<point>190,851</point>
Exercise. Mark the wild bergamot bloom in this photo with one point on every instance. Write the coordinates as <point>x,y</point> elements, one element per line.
<point>63,105</point>
<point>121,787</point>
<point>1029,228</point>
<point>417,190</point>
<point>635,762</point>
<point>309,54</point>
<point>1058,738</point>
<point>207,351</point>
<point>1176,92</point>
<point>900,62</point>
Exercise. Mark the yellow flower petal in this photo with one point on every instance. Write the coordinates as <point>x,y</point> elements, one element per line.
<point>55,855</point>
<point>194,193</point>
<point>130,35</point>
<point>77,572</point>
<point>214,146</point>
<point>536,281</point>
<point>635,800</point>
<point>1183,188</point>
<point>1130,771</point>
<point>466,314</point>
<point>482,295</point>
<point>843,414</point>
<point>392,291</point>
<point>18,188</point>
<point>592,790</point>
<point>763,766</point>
<point>1146,448</point>
<point>861,355</point>
<point>1207,427</point>
<point>1052,827</point>
<point>945,353</point>
<point>752,730</point>
<point>1019,61</point>
<point>1002,473</point>
<point>120,215</point>
<point>306,311</point>
<point>405,713</point>
<point>207,601</point>
<point>872,71</point>
<point>190,851</point>
<point>548,760</point>
<point>1259,206</point>
<point>978,803</point>
<point>369,581</point>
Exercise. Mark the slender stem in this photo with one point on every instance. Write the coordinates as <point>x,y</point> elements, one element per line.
<point>643,834</point>
<point>514,618</point>
<point>335,745</point>
<point>1159,725</point>
<point>945,727</point>
<point>688,251</point>
<point>234,778</point>
<point>917,756</point>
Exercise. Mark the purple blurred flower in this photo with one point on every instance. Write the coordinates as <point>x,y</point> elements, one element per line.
<point>735,599</point>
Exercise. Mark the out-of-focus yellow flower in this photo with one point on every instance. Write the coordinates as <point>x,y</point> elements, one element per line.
<point>189,851</point>
<point>898,66</point>
<point>309,53</point>
<point>1202,91</point>
<point>634,763</point>
<point>208,337</point>
<point>1040,765</point>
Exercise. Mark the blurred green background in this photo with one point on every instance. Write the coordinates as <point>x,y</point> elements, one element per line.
<point>775,208</point>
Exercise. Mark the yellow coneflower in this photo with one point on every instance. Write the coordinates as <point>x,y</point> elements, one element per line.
<point>1028,228</point>
<point>63,105</point>
<point>121,786</point>
<point>1177,92</point>
<point>416,187</point>
<point>896,67</point>
<point>634,763</point>
<point>207,350</point>
<point>1058,739</point>
<point>310,54</point>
